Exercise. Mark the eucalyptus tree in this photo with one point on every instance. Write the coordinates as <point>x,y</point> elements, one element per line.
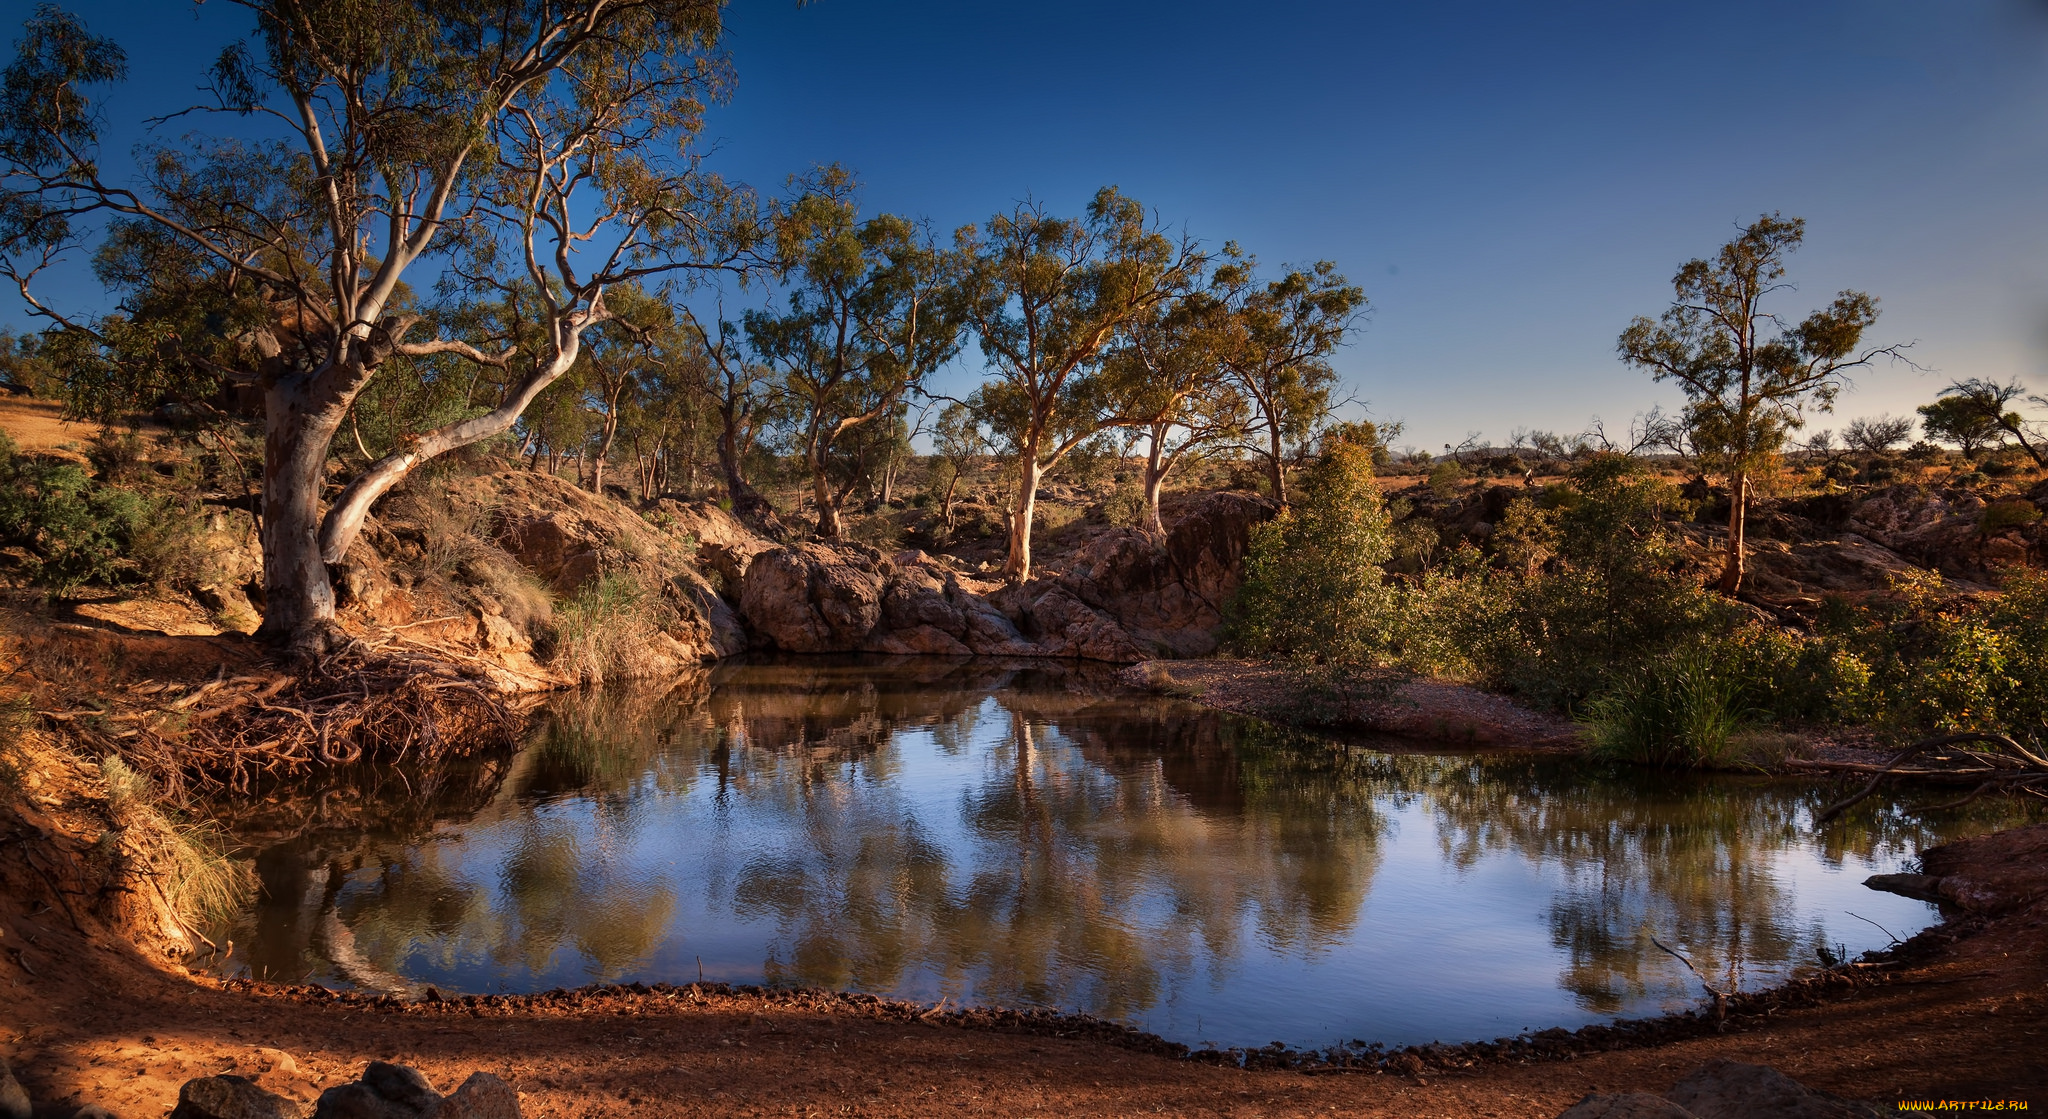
<point>1164,383</point>
<point>616,354</point>
<point>1984,408</point>
<point>665,423</point>
<point>543,145</point>
<point>866,320</point>
<point>1748,376</point>
<point>741,395</point>
<point>1044,295</point>
<point>1276,343</point>
<point>959,446</point>
<point>1955,419</point>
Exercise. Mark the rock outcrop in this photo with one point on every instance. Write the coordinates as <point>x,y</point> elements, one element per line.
<point>1987,875</point>
<point>1159,597</point>
<point>1123,597</point>
<point>232,1097</point>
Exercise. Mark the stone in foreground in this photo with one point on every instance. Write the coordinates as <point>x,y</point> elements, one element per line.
<point>1722,1089</point>
<point>232,1097</point>
<point>389,1091</point>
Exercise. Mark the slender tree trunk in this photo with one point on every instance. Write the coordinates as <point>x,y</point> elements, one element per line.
<point>298,599</point>
<point>745,499</point>
<point>604,448</point>
<point>1738,529</point>
<point>829,527</point>
<point>946,503</point>
<point>1017,568</point>
<point>1276,464</point>
<point>889,479</point>
<point>1156,467</point>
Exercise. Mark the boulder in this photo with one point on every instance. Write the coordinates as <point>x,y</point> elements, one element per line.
<point>1723,1089</point>
<point>232,1097</point>
<point>13,1097</point>
<point>1624,1105</point>
<point>1062,625</point>
<point>1123,597</point>
<point>809,598</point>
<point>1990,874</point>
<point>1169,594</point>
<point>1919,887</point>
<point>388,1091</point>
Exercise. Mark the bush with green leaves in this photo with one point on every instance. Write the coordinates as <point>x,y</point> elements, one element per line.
<point>1591,583</point>
<point>64,529</point>
<point>1314,587</point>
<point>1939,663</point>
<point>1685,709</point>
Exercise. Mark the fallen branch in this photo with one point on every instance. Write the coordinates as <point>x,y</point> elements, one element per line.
<point>1720,997</point>
<point>2008,766</point>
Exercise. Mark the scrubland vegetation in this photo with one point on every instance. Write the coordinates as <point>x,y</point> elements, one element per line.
<point>297,380</point>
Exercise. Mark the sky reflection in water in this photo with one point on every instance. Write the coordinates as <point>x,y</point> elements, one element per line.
<point>1032,836</point>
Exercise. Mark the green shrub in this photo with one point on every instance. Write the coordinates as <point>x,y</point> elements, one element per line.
<point>1680,710</point>
<point>1314,589</point>
<point>1595,584</point>
<point>1444,478</point>
<point>2001,515</point>
<point>72,530</point>
<point>1126,507</point>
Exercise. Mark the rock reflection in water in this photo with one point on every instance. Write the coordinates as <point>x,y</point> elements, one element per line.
<point>1029,834</point>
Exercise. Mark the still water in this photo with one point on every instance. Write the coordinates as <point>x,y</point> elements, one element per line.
<point>1030,835</point>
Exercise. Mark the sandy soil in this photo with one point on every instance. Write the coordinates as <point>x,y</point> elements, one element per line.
<point>39,425</point>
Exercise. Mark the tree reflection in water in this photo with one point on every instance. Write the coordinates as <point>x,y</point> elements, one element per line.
<point>1029,834</point>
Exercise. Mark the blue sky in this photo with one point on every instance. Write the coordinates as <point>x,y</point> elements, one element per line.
<point>1510,183</point>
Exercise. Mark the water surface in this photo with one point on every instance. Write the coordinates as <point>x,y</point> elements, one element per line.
<point>1033,836</point>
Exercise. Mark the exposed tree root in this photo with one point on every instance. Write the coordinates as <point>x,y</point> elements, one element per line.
<point>353,705</point>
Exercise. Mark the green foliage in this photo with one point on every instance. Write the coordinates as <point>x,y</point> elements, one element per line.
<point>69,529</point>
<point>1956,419</point>
<point>1126,508</point>
<point>1680,710</point>
<point>1940,664</point>
<point>2001,515</point>
<point>1314,590</point>
<point>1585,585</point>
<point>1444,478</point>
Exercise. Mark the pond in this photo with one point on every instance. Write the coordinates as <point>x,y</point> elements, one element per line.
<point>1029,834</point>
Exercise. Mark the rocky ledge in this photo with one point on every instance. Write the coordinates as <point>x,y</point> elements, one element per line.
<point>1122,597</point>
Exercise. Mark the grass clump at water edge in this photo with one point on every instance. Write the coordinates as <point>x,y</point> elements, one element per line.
<point>203,885</point>
<point>607,628</point>
<point>1681,711</point>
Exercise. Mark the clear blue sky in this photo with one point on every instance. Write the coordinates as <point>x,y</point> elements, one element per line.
<point>1509,182</point>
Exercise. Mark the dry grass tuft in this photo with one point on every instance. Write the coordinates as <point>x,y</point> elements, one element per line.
<point>607,629</point>
<point>201,883</point>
